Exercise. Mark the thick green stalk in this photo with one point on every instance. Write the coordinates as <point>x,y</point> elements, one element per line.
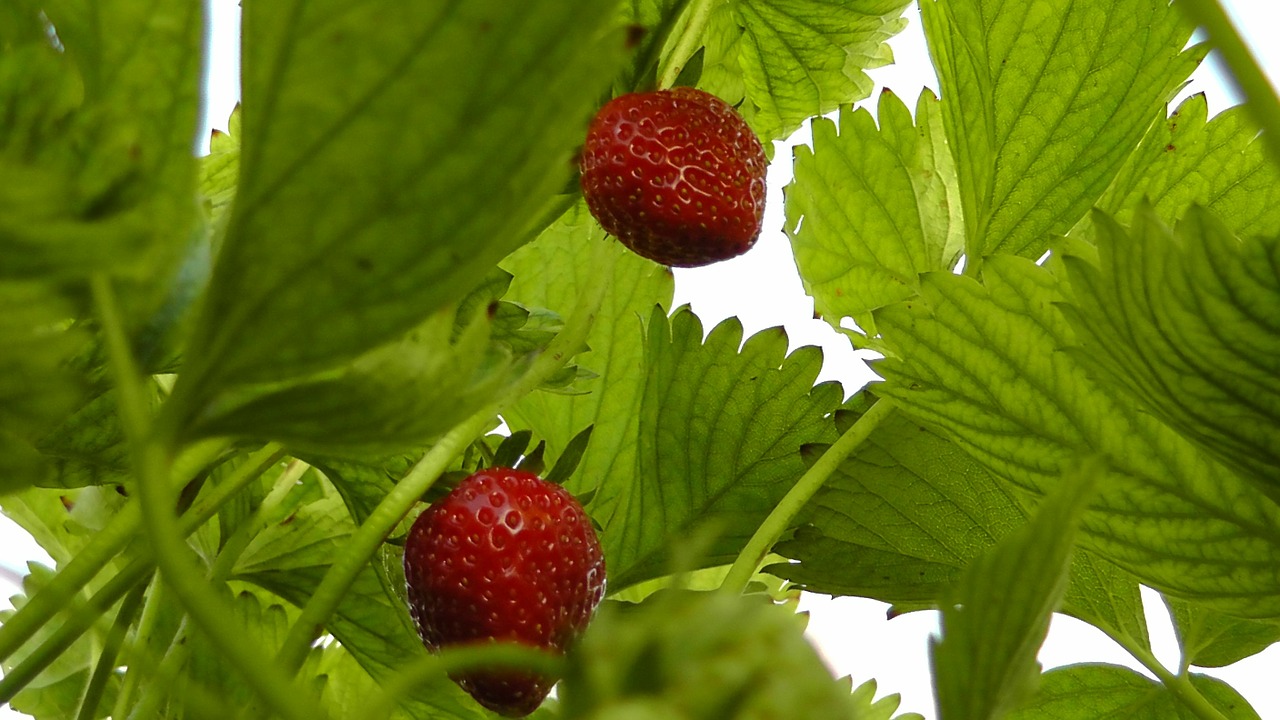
<point>151,449</point>
<point>1262,103</point>
<point>799,495</point>
<point>362,545</point>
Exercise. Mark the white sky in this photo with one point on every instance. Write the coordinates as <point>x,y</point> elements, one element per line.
<point>763,290</point>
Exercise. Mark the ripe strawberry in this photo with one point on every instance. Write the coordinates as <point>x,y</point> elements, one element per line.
<point>676,175</point>
<point>504,556</point>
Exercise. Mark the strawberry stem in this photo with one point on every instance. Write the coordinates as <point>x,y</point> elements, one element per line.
<point>690,39</point>
<point>151,447</point>
<point>798,496</point>
<point>396,505</point>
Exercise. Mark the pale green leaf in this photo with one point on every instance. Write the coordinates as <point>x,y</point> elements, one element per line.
<point>381,175</point>
<point>550,273</point>
<point>984,364</point>
<point>1211,639</point>
<point>872,208</point>
<point>1188,322</point>
<point>997,614</point>
<point>793,59</point>
<point>1111,692</point>
<point>1187,159</point>
<point>1044,101</point>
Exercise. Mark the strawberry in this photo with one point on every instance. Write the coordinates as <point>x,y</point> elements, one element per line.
<point>505,556</point>
<point>676,175</point>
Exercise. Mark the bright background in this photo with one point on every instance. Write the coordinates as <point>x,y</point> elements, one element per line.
<point>763,290</point>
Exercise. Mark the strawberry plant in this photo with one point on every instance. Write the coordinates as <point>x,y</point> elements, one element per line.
<point>230,383</point>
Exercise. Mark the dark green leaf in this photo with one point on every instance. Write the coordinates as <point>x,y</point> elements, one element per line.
<point>907,513</point>
<point>381,178</point>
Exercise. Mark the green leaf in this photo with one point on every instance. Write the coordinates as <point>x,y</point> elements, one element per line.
<point>1187,159</point>
<point>1092,691</point>
<point>984,364</point>
<point>793,59</point>
<point>391,399</point>
<point>704,655</point>
<point>98,132</point>
<point>872,208</point>
<point>997,615</point>
<point>901,519</point>
<point>380,178</point>
<point>1211,639</point>
<point>718,442</point>
<point>549,273</point>
<point>1188,323</point>
<point>1043,102</point>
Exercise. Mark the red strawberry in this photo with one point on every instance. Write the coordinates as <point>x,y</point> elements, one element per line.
<point>676,175</point>
<point>505,556</point>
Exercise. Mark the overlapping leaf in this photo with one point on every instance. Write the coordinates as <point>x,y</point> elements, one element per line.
<point>1187,159</point>
<point>1188,322</point>
<point>901,519</point>
<point>793,59</point>
<point>871,208</point>
<point>1088,692</point>
<point>380,177</point>
<point>1043,102</point>
<point>984,364</point>
<point>997,614</point>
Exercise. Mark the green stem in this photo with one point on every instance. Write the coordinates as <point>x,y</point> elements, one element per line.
<point>106,665</point>
<point>142,637</point>
<point>1180,685</point>
<point>396,505</point>
<point>1262,103</point>
<point>498,656</point>
<point>87,563</point>
<point>151,451</point>
<point>687,44</point>
<point>797,497</point>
